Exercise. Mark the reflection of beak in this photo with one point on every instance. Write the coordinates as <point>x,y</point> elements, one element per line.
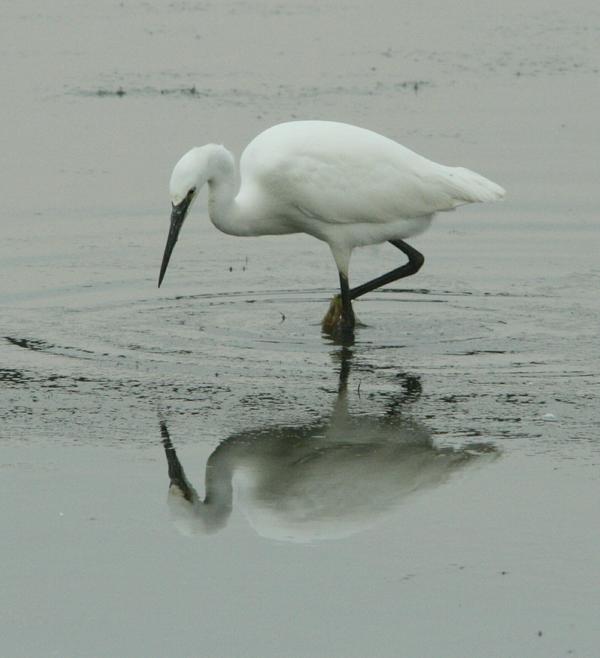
<point>177,217</point>
<point>176,473</point>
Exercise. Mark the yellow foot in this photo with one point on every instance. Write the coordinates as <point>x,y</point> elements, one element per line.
<point>333,315</point>
<point>337,325</point>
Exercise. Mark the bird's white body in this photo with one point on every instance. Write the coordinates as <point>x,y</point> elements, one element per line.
<point>342,184</point>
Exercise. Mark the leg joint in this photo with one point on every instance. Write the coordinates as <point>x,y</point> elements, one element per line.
<point>416,260</point>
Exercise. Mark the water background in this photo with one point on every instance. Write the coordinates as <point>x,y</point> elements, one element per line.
<point>484,368</point>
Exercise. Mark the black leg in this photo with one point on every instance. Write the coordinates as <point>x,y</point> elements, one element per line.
<point>415,261</point>
<point>347,319</point>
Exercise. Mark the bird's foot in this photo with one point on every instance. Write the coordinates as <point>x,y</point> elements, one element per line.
<point>337,324</point>
<point>333,315</point>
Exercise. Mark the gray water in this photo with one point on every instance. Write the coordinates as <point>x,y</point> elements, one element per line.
<point>432,490</point>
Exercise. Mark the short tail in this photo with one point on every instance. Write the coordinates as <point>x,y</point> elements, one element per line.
<point>466,186</point>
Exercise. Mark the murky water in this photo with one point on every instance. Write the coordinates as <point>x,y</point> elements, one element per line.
<point>196,470</point>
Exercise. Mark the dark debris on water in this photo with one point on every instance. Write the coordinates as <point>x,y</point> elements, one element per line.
<point>110,92</point>
<point>181,91</point>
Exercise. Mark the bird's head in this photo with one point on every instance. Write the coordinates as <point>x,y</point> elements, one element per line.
<point>188,177</point>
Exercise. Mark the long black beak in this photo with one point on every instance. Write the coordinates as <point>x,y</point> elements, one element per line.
<point>177,218</point>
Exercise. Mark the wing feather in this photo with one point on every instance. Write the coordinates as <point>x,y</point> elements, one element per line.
<point>344,174</point>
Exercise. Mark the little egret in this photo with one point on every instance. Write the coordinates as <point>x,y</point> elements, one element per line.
<point>342,184</point>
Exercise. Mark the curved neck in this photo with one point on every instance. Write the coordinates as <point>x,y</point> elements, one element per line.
<point>224,211</point>
<point>189,512</point>
<point>218,498</point>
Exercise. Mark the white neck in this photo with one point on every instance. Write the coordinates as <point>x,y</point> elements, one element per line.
<point>223,209</point>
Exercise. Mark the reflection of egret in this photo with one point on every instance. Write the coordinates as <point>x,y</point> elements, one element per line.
<point>323,480</point>
<point>342,184</point>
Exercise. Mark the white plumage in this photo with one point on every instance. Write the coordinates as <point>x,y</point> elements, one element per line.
<point>342,184</point>
<point>346,175</point>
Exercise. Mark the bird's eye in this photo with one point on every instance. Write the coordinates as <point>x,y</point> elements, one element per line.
<point>191,192</point>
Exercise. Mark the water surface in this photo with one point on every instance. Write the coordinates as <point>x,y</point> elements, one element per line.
<point>195,470</point>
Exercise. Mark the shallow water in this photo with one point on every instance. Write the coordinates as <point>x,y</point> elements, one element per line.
<point>430,491</point>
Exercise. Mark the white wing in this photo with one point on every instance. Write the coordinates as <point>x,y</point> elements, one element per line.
<point>345,174</point>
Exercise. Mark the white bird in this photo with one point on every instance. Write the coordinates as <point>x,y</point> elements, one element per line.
<point>342,184</point>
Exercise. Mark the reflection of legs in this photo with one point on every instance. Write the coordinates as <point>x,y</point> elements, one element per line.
<point>345,356</point>
<point>411,393</point>
<point>415,261</point>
